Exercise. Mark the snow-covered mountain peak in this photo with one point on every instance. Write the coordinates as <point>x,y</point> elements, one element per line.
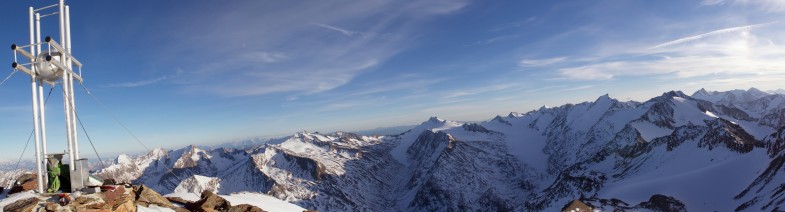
<point>737,96</point>
<point>196,184</point>
<point>671,94</point>
<point>437,124</point>
<point>123,159</point>
<point>434,120</point>
<point>191,157</point>
<point>778,91</point>
<point>757,92</point>
<point>603,98</point>
<point>517,114</point>
<point>702,91</point>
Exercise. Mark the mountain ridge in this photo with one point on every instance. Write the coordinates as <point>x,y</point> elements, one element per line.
<point>607,153</point>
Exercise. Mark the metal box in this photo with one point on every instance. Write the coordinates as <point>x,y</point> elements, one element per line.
<point>79,175</point>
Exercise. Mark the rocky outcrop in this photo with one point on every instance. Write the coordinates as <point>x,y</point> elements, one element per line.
<point>22,205</point>
<point>124,203</point>
<point>25,182</point>
<point>146,197</point>
<point>209,202</point>
<point>245,208</point>
<point>659,202</point>
<point>178,200</point>
<point>576,206</point>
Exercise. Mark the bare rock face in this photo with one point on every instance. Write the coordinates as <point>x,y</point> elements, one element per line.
<point>659,202</point>
<point>22,205</point>
<point>179,200</point>
<point>25,182</point>
<point>146,197</point>
<point>83,203</point>
<point>576,206</point>
<point>210,202</point>
<point>245,207</point>
<point>111,196</point>
<point>124,203</point>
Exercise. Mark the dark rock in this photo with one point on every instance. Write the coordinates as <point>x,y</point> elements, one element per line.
<point>25,182</point>
<point>178,200</point>
<point>576,205</point>
<point>245,207</point>
<point>110,182</point>
<point>659,202</point>
<point>474,127</point>
<point>86,203</point>
<point>22,205</point>
<point>124,203</point>
<point>111,196</point>
<point>146,197</point>
<point>51,206</point>
<point>209,202</point>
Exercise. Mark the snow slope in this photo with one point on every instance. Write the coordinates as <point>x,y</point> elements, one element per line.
<point>263,201</point>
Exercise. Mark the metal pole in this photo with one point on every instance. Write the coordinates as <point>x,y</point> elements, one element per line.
<point>71,97</point>
<point>67,107</point>
<point>41,96</point>
<point>35,110</point>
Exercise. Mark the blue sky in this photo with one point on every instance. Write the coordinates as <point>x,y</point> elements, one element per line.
<point>205,72</point>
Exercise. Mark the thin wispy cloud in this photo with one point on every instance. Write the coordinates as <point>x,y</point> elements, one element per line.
<point>513,25</point>
<point>337,29</point>
<point>142,83</point>
<point>712,33</point>
<point>492,40</point>
<point>762,5</point>
<point>712,2</point>
<point>295,54</point>
<point>145,82</point>
<point>541,62</point>
<point>493,87</point>
<point>269,57</point>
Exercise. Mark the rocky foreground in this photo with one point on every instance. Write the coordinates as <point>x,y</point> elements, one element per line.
<point>120,198</point>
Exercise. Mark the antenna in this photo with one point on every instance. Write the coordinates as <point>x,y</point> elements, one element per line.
<point>50,66</point>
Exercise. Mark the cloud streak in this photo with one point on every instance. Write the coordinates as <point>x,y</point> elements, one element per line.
<point>137,83</point>
<point>541,62</point>
<point>712,33</point>
<point>739,50</point>
<point>348,33</point>
<point>286,52</point>
<point>762,5</point>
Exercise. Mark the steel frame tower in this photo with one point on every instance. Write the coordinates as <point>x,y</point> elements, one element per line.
<point>50,66</point>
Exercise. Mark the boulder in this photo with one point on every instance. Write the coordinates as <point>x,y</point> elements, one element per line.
<point>577,206</point>
<point>51,206</point>
<point>25,182</point>
<point>23,205</point>
<point>110,181</point>
<point>87,202</point>
<point>178,200</point>
<point>146,197</point>
<point>245,207</point>
<point>110,196</point>
<point>123,203</point>
<point>660,202</point>
<point>209,202</point>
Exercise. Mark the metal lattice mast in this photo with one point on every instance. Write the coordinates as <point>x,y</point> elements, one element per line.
<point>55,64</point>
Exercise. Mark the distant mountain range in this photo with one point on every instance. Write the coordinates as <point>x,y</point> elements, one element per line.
<point>709,151</point>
